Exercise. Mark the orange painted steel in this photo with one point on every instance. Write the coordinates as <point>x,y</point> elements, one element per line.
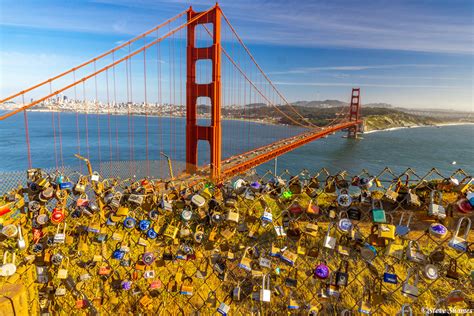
<point>212,90</point>
<point>295,142</point>
<point>95,58</point>
<point>354,112</point>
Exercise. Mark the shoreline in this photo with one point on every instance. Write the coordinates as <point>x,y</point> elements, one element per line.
<point>417,126</point>
<point>159,116</point>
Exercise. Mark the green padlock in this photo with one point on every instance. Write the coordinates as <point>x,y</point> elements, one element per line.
<point>378,214</point>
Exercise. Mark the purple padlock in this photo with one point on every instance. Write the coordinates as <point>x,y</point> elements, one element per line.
<point>126,285</point>
<point>321,271</point>
<point>438,230</point>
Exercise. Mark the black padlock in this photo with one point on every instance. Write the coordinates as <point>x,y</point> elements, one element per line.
<point>342,275</point>
<point>354,214</point>
<point>292,281</point>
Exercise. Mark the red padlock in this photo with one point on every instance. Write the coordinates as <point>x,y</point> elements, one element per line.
<point>464,206</point>
<point>58,215</point>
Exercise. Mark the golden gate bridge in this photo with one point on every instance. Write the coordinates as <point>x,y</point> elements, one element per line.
<point>192,58</point>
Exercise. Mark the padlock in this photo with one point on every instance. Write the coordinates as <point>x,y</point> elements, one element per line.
<point>80,187</point>
<point>436,209</point>
<point>8,268</point>
<point>321,271</point>
<point>410,290</point>
<point>63,269</point>
<point>431,271</point>
<point>265,291</point>
<point>151,233</point>
<point>438,230</point>
<point>224,307</point>
<point>313,208</point>
<point>228,232</point>
<point>374,238</point>
<point>437,255</point>
<point>213,234</point>
<point>403,229</point>
<point>365,305</point>
<point>344,247</point>
<point>148,258</point>
<point>105,270</point>
<point>236,292</point>
<point>460,243</point>
<point>368,252</point>
<point>330,185</point>
<point>60,236</point>
<point>342,275</point>
<point>198,200</point>
<point>378,213</point>
<point>390,194</point>
<point>21,244</point>
<point>267,216</point>
<point>81,302</point>
<point>332,289</point>
<point>136,199</point>
<point>293,304</point>
<point>292,280</point>
<point>344,224</point>
<point>413,199</point>
<point>171,230</point>
<point>60,291</point>
<point>187,286</point>
<point>58,215</point>
<point>246,262</point>
<point>414,252</point>
<point>233,215</point>
<point>344,199</point>
<point>354,213</point>
<point>387,230</point>
<point>288,256</point>
<point>264,262</point>
<point>329,241</point>
<point>452,272</point>
<point>198,233</point>
<point>211,299</point>
<point>389,275</point>
<point>279,230</point>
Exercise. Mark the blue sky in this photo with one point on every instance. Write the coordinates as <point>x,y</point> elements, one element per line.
<point>408,53</point>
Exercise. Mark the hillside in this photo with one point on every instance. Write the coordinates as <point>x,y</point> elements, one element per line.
<point>375,118</point>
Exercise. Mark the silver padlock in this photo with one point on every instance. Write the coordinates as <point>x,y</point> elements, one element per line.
<point>410,290</point>
<point>436,208</point>
<point>329,241</point>
<point>8,268</point>
<point>224,306</point>
<point>60,237</point>
<point>265,292</point>
<point>21,241</point>
<point>460,243</point>
<point>414,252</point>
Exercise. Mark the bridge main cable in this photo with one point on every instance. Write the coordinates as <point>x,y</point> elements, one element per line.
<point>83,79</point>
<point>264,74</point>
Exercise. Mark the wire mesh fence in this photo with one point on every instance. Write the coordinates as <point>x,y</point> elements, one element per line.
<point>259,244</point>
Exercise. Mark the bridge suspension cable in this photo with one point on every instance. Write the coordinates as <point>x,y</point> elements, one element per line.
<point>264,74</point>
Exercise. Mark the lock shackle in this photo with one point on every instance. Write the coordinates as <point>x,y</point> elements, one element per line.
<point>266,282</point>
<point>459,225</point>
<point>12,255</point>
<point>344,264</point>
<point>380,205</point>
<point>409,275</point>
<point>402,217</point>
<point>406,308</point>
<point>436,197</point>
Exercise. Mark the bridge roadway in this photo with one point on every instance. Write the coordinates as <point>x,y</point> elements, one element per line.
<point>245,161</point>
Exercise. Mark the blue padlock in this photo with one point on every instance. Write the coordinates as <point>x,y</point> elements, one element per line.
<point>118,254</point>
<point>65,185</point>
<point>144,224</point>
<point>389,277</point>
<point>129,222</point>
<point>151,233</point>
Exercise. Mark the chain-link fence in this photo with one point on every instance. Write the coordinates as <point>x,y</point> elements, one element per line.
<point>311,243</point>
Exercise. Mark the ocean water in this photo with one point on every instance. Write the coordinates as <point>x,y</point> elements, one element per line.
<point>446,148</point>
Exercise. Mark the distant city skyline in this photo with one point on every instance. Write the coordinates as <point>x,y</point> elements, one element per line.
<point>406,53</point>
